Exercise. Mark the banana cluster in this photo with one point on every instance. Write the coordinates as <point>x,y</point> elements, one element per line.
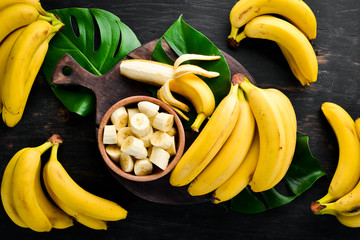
<point>343,197</point>
<point>179,78</point>
<point>256,20</point>
<point>249,140</point>
<point>25,32</point>
<point>27,205</point>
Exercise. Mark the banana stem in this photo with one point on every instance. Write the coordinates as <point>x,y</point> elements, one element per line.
<point>198,121</point>
<point>240,37</point>
<point>43,147</point>
<point>54,151</point>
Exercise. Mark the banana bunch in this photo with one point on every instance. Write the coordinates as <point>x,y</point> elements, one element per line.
<point>249,140</point>
<point>25,32</point>
<point>256,20</point>
<point>179,78</point>
<point>27,205</point>
<point>343,197</point>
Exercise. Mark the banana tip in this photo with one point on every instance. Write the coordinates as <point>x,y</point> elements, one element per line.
<point>316,207</point>
<point>55,139</point>
<point>237,78</point>
<point>232,42</point>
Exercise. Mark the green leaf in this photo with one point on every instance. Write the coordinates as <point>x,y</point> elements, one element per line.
<point>304,171</point>
<point>183,39</point>
<point>97,40</point>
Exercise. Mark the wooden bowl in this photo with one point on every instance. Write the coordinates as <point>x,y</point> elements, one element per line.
<point>157,172</point>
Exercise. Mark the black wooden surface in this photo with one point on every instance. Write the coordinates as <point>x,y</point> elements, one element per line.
<point>338,50</point>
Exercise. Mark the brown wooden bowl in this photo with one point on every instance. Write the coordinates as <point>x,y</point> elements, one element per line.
<point>157,172</point>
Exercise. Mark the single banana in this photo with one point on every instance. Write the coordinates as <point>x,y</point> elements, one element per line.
<point>71,194</point>
<point>349,221</point>
<point>209,141</point>
<point>25,175</point>
<point>241,177</point>
<point>6,191</point>
<point>272,136</point>
<point>81,218</point>
<point>287,36</point>
<point>288,116</point>
<point>296,11</point>
<point>16,16</point>
<point>5,48</point>
<point>19,60</point>
<point>35,3</point>
<point>348,170</point>
<point>230,156</point>
<point>10,119</point>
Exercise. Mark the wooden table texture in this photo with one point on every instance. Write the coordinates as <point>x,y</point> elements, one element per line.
<point>338,48</point>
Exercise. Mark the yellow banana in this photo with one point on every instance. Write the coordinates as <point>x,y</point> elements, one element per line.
<point>12,119</point>
<point>288,116</point>
<point>272,136</point>
<point>241,177</point>
<point>34,3</point>
<point>16,16</point>
<point>209,141</point>
<point>357,126</point>
<point>287,36</point>
<point>6,191</point>
<point>70,193</point>
<point>5,49</point>
<point>230,156</point>
<point>349,221</point>
<point>296,11</point>
<point>198,93</point>
<point>81,218</point>
<point>19,60</point>
<point>295,69</point>
<point>348,170</point>
<point>25,175</point>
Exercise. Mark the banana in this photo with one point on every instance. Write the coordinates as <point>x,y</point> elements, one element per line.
<point>140,124</point>
<point>296,11</point>
<point>288,37</point>
<point>241,177</point>
<point>288,116</point>
<point>348,170</point>
<point>161,139</point>
<point>148,108</point>
<point>146,139</point>
<point>143,167</point>
<point>114,152</point>
<point>349,221</point>
<point>20,57</point>
<point>357,126</point>
<point>134,147</point>
<point>126,162</point>
<point>25,175</point>
<point>163,121</point>
<point>12,119</point>
<point>119,118</point>
<point>169,98</point>
<point>122,134</point>
<point>272,136</point>
<point>230,156</point>
<point>198,93</point>
<point>6,191</point>
<point>5,48</point>
<point>16,16</point>
<point>81,218</point>
<point>70,193</point>
<point>209,141</point>
<point>131,112</point>
<point>110,134</point>
<point>35,3</point>
<point>159,157</point>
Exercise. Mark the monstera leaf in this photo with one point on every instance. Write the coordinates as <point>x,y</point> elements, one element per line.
<point>302,174</point>
<point>97,40</point>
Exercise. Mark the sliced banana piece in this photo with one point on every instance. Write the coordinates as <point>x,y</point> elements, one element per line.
<point>126,162</point>
<point>109,136</point>
<point>160,157</point>
<point>163,121</point>
<point>172,131</point>
<point>119,118</point>
<point>147,137</point>
<point>172,149</point>
<point>114,152</point>
<point>143,167</point>
<point>148,108</point>
<point>134,147</point>
<point>131,113</point>
<point>161,139</point>
<point>140,124</point>
<point>122,134</point>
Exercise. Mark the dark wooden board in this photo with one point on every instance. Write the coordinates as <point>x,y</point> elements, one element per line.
<point>337,46</point>
<point>111,88</point>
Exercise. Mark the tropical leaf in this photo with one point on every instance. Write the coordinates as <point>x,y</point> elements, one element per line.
<point>97,40</point>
